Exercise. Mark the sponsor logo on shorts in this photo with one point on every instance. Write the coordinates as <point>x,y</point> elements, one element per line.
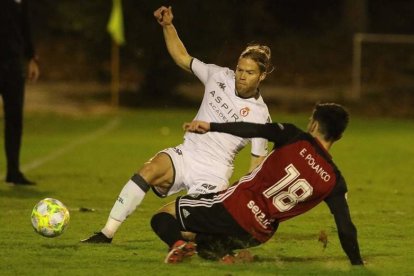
<point>208,186</point>
<point>205,188</point>
<point>185,213</point>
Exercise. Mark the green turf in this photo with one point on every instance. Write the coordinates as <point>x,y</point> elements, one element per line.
<point>376,158</point>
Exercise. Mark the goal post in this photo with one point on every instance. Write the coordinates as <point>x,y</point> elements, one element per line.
<point>358,41</point>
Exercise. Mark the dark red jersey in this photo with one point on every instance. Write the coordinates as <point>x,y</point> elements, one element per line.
<point>296,176</point>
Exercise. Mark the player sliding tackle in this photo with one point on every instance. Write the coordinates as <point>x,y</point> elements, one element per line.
<point>228,97</point>
<point>285,185</point>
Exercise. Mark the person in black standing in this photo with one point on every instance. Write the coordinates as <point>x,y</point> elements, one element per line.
<point>16,52</point>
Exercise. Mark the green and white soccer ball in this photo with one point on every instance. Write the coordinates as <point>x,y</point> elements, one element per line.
<point>50,217</point>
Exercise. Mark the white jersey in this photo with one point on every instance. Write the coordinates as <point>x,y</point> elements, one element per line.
<point>221,104</point>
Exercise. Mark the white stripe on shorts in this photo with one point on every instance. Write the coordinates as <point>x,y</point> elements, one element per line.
<point>206,202</point>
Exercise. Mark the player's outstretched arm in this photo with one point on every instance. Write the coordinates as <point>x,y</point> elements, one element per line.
<point>174,44</point>
<point>270,131</point>
<point>347,231</point>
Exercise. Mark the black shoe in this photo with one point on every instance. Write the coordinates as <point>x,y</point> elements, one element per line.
<point>98,237</point>
<point>19,179</point>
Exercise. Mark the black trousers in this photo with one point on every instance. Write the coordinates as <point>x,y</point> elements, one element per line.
<point>12,92</point>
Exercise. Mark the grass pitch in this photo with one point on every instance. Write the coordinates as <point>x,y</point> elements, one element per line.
<point>84,162</point>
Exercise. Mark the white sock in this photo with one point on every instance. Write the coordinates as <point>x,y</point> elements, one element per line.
<point>111,227</point>
<point>128,200</point>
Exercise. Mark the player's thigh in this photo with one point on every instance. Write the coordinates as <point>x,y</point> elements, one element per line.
<point>159,170</point>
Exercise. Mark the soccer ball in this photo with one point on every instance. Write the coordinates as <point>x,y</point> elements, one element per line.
<point>50,217</point>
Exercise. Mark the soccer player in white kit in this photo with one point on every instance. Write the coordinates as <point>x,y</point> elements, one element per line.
<point>202,163</point>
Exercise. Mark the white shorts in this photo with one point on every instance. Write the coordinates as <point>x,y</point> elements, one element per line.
<point>195,174</point>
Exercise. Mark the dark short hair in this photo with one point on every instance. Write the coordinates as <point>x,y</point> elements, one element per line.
<point>332,118</point>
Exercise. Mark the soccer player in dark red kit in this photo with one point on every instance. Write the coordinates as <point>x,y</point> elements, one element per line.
<point>295,177</point>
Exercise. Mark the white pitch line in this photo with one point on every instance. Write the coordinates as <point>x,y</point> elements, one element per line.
<point>112,124</point>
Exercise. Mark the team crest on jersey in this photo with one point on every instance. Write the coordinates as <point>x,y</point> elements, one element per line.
<point>221,85</point>
<point>244,111</point>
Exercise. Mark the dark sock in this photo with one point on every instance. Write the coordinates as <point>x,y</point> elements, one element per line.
<point>167,228</point>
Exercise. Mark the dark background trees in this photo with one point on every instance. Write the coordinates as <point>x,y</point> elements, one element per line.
<point>311,41</point>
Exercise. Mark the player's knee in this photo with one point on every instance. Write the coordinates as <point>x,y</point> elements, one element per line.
<point>160,221</point>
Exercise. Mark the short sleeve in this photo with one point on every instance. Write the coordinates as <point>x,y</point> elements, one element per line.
<point>259,147</point>
<point>202,70</point>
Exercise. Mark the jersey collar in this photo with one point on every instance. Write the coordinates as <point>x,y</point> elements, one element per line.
<point>255,97</point>
<point>322,147</point>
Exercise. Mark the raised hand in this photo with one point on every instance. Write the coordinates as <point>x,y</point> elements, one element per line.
<point>164,15</point>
